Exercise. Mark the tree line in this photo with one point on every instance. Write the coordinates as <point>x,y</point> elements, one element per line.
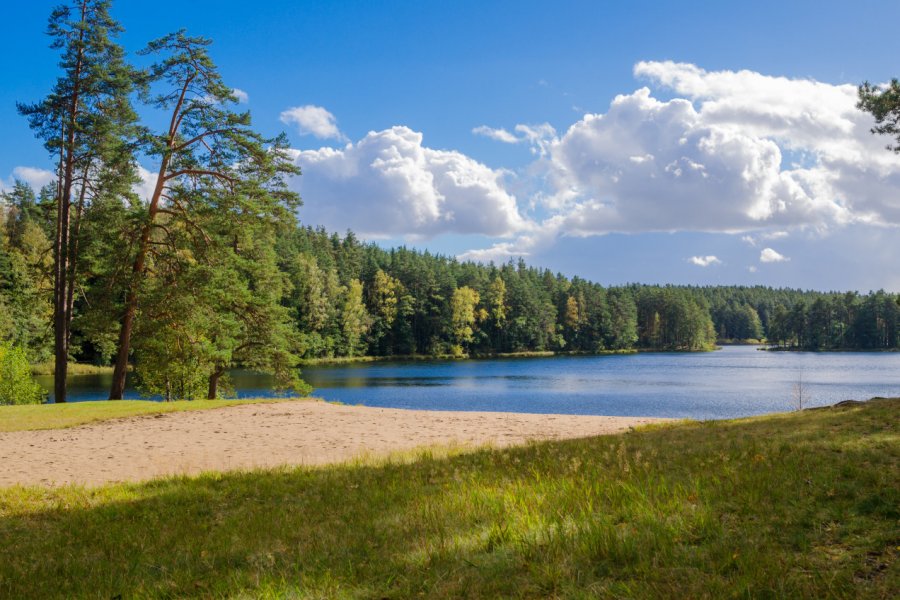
<point>265,298</point>
<point>210,269</point>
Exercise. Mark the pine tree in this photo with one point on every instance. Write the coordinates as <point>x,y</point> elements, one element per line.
<point>84,122</point>
<point>209,159</point>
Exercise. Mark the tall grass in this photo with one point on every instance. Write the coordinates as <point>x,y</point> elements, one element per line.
<point>799,505</point>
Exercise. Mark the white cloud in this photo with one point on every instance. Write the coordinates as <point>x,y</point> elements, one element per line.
<point>242,96</point>
<point>732,152</point>
<point>498,253</point>
<point>144,189</point>
<point>765,235</point>
<point>500,135</point>
<point>705,261</point>
<point>36,178</point>
<point>390,184</point>
<point>849,167</point>
<point>313,120</point>
<point>649,165</point>
<point>540,137</point>
<point>771,256</point>
<point>752,268</point>
<point>735,152</point>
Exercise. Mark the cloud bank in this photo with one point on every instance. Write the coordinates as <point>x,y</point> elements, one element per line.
<point>732,152</point>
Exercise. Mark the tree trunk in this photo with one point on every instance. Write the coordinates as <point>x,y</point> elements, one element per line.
<point>61,281</point>
<point>213,390</point>
<point>73,254</point>
<point>60,346</point>
<point>120,370</point>
<point>131,300</point>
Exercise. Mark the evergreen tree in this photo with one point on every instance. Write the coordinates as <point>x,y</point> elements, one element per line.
<point>209,158</point>
<point>884,104</point>
<point>85,122</point>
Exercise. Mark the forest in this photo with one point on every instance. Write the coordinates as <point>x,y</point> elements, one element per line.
<point>212,268</point>
<point>266,298</point>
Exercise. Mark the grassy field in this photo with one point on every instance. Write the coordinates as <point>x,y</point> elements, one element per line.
<point>59,416</point>
<point>797,505</point>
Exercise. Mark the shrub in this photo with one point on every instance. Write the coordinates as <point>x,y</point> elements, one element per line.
<point>17,386</point>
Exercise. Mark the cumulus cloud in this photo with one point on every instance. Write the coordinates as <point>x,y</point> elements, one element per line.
<point>36,178</point>
<point>390,184</point>
<point>731,152</point>
<point>649,165</point>
<point>704,261</point>
<point>313,120</point>
<point>771,256</point>
<point>147,184</point>
<point>242,96</point>
<point>850,174</point>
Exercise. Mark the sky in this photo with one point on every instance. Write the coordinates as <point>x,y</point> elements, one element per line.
<point>657,142</point>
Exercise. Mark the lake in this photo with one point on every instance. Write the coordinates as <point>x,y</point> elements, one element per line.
<point>733,382</point>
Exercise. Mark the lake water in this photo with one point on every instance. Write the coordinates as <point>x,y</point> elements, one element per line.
<point>732,382</point>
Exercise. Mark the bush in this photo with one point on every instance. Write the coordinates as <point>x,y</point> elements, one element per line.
<point>17,386</point>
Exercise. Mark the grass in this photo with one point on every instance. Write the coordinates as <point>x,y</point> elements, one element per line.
<point>788,506</point>
<point>46,368</point>
<point>71,414</point>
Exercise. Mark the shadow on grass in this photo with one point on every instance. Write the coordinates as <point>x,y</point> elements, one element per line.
<point>802,504</point>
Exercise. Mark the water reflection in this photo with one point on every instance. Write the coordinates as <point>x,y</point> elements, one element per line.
<point>735,381</point>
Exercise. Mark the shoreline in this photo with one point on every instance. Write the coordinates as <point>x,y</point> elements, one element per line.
<point>282,434</point>
<point>338,360</point>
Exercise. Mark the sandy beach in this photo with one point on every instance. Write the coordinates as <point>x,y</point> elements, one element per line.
<point>264,435</point>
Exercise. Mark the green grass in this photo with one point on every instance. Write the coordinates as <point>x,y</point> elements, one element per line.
<point>46,368</point>
<point>70,414</point>
<point>789,506</point>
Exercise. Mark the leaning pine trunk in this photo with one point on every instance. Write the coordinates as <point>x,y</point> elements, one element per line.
<point>213,390</point>
<point>131,300</point>
<point>137,272</point>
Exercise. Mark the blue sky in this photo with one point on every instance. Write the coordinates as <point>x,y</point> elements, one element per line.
<point>490,130</point>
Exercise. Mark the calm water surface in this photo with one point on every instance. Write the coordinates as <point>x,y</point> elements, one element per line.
<point>732,382</point>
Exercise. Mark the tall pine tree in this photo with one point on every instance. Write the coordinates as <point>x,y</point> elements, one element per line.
<point>84,123</point>
<point>208,157</point>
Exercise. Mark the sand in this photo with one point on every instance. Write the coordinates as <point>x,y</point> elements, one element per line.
<point>262,436</point>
